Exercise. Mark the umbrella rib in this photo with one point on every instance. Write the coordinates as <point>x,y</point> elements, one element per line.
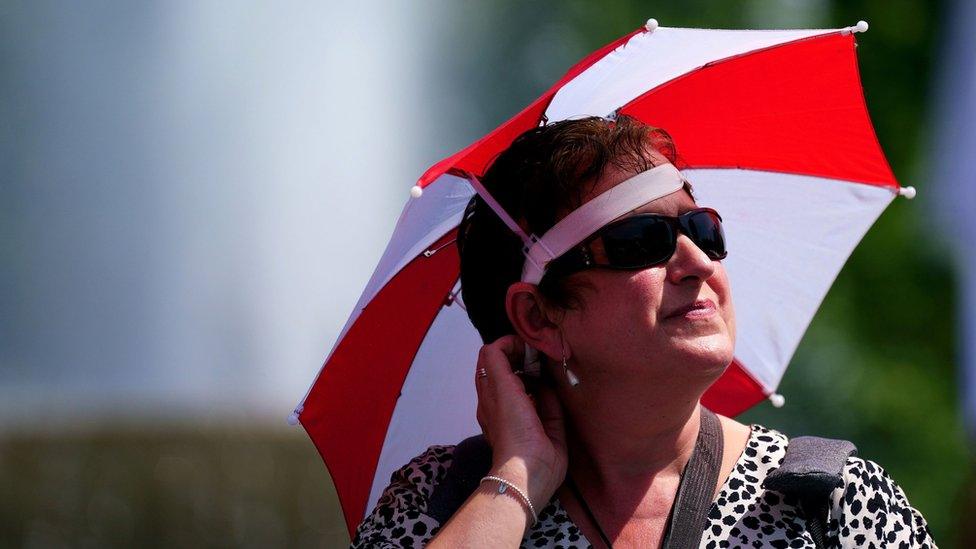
<point>429,252</point>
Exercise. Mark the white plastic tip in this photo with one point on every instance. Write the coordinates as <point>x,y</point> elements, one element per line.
<point>861,26</point>
<point>571,377</point>
<point>907,192</point>
<point>777,400</point>
<point>651,25</point>
<point>293,418</point>
<point>416,191</point>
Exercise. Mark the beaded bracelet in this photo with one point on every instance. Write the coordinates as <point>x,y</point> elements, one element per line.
<point>503,485</point>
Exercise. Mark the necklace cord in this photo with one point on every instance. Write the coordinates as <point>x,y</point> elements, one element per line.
<point>586,509</point>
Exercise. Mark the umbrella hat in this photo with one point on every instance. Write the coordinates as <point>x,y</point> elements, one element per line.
<point>774,133</point>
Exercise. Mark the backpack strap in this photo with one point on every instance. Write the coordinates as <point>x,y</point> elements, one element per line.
<point>689,513</point>
<point>471,462</point>
<point>812,468</point>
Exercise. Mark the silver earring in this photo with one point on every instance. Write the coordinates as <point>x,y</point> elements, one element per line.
<point>570,376</point>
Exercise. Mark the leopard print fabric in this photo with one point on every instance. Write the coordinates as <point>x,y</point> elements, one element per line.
<point>870,511</point>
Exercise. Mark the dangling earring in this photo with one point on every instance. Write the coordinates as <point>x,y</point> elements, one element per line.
<point>570,376</point>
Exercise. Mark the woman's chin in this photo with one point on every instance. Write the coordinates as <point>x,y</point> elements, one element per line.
<point>707,354</point>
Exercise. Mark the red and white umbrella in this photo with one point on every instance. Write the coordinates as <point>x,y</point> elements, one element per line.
<point>774,133</point>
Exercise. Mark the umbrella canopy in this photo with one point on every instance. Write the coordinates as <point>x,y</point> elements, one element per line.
<point>774,133</point>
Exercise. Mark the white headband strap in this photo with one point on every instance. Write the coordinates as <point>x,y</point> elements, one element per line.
<point>622,198</point>
<point>528,240</point>
<point>499,211</point>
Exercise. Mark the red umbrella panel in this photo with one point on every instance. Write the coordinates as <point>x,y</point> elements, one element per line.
<point>773,132</point>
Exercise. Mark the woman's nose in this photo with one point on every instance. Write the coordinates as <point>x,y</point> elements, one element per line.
<point>689,262</point>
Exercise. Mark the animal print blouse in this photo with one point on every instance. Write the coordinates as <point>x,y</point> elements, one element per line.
<point>870,511</point>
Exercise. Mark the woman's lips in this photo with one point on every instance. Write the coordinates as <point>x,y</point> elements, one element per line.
<point>701,308</point>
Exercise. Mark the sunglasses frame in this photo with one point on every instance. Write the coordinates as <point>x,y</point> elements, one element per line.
<point>581,256</point>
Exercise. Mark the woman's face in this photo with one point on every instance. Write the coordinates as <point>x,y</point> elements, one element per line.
<point>665,324</point>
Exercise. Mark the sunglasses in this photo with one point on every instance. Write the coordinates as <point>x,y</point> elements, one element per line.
<point>644,240</point>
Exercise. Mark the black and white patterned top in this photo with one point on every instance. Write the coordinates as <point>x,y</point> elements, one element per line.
<point>870,511</point>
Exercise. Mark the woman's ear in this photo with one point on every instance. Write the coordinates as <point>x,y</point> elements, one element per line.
<point>532,319</point>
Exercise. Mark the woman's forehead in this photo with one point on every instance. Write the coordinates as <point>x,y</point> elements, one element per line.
<point>673,204</point>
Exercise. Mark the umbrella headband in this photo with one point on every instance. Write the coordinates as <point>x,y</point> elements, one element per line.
<point>582,222</point>
<point>624,197</point>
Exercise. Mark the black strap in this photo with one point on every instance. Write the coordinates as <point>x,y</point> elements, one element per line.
<point>695,493</point>
<point>812,465</point>
<point>812,468</point>
<point>816,510</point>
<point>471,462</point>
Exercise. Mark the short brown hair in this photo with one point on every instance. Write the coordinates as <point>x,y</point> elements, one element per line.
<point>542,176</point>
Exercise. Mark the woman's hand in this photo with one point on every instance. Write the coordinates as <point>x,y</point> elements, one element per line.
<point>527,434</point>
<point>528,446</point>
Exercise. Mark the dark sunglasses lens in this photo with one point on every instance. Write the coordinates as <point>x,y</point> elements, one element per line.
<point>704,228</point>
<point>638,242</point>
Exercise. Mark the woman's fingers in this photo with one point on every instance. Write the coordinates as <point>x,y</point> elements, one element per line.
<point>495,378</point>
<point>499,357</point>
<point>503,405</point>
<point>494,381</point>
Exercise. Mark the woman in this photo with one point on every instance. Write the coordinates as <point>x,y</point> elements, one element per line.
<point>633,324</point>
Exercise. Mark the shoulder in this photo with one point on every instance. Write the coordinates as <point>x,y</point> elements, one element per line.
<point>763,453</point>
<point>400,517</point>
<point>870,509</point>
<point>413,483</point>
<point>873,508</point>
<point>768,435</point>
<point>767,446</point>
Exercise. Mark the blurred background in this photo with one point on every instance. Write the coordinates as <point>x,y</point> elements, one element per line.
<point>193,195</point>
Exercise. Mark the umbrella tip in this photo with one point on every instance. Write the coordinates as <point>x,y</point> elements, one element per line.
<point>777,400</point>
<point>651,25</point>
<point>907,192</point>
<point>861,26</point>
<point>416,191</point>
<point>293,417</point>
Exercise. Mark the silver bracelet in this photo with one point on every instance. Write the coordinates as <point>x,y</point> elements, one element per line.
<point>503,485</point>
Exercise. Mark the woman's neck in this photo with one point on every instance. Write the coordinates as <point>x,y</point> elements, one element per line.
<point>622,447</point>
